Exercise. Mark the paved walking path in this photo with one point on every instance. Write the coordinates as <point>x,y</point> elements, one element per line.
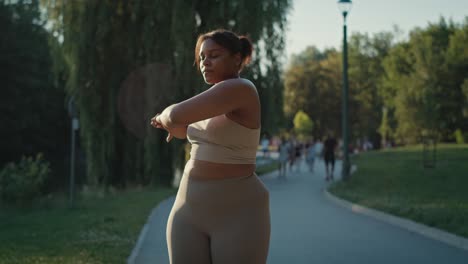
<point>308,228</point>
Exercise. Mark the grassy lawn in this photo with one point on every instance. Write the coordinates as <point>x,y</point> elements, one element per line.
<point>101,229</point>
<point>395,181</point>
<point>267,167</point>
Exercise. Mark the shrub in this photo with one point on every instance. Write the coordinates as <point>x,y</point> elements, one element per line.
<point>459,137</point>
<point>23,182</point>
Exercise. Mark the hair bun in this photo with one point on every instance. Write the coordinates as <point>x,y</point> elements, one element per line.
<point>246,48</point>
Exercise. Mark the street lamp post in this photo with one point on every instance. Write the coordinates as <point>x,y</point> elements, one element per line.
<point>72,111</point>
<point>345,7</point>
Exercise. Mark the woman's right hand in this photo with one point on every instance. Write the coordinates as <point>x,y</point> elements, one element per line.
<point>157,124</point>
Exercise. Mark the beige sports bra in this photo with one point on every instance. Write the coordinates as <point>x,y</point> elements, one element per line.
<point>222,140</point>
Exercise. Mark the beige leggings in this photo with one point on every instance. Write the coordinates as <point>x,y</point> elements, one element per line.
<point>220,222</point>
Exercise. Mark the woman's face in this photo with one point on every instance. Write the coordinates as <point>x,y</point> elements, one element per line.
<point>217,63</point>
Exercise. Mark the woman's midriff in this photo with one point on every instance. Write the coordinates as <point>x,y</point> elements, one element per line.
<point>205,170</point>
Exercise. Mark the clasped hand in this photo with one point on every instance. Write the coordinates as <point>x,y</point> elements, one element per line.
<point>156,122</point>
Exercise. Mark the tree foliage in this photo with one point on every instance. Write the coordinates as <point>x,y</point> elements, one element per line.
<point>31,105</point>
<point>403,91</point>
<point>303,125</point>
<point>365,73</point>
<point>424,82</point>
<point>104,41</point>
<point>312,83</point>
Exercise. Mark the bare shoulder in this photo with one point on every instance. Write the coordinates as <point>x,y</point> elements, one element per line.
<point>244,84</point>
<point>230,96</point>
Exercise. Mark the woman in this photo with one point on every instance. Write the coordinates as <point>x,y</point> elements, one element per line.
<point>221,213</point>
<point>329,155</point>
<point>310,155</point>
<point>283,157</point>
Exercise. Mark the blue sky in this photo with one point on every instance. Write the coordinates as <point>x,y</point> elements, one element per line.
<point>319,22</point>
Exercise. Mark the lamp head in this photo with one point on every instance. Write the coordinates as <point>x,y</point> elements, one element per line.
<point>345,6</point>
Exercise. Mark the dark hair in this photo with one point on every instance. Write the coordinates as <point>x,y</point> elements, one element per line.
<point>230,41</point>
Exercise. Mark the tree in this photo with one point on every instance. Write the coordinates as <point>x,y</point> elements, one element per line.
<point>423,83</point>
<point>312,84</point>
<point>457,64</point>
<point>366,71</point>
<point>32,107</point>
<point>303,126</point>
<point>105,41</point>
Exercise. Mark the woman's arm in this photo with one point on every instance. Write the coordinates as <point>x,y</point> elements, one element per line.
<point>179,132</point>
<point>222,98</point>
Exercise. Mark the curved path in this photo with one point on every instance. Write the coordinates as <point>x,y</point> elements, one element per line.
<point>309,228</point>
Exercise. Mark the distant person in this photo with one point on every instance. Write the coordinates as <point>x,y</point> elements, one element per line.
<point>318,149</point>
<point>298,152</point>
<point>265,143</point>
<point>284,148</point>
<point>329,147</point>
<point>366,145</point>
<point>292,153</point>
<point>310,155</point>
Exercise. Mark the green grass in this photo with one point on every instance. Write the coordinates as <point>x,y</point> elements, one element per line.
<point>395,181</point>
<point>100,229</point>
<point>273,165</point>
